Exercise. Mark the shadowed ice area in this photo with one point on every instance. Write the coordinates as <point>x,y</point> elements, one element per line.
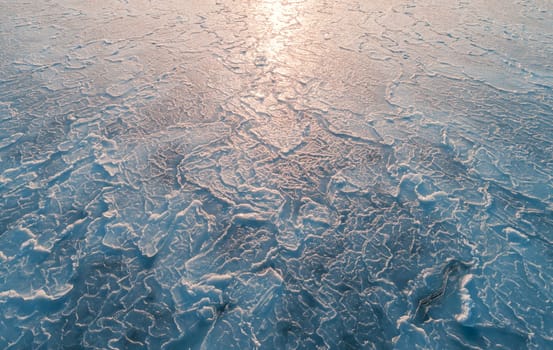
<point>276,174</point>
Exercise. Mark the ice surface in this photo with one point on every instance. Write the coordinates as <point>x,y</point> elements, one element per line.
<point>276,174</point>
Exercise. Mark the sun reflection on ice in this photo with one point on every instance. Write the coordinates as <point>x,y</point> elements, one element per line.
<point>278,21</point>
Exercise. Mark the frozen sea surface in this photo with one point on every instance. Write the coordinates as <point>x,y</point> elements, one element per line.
<point>274,174</point>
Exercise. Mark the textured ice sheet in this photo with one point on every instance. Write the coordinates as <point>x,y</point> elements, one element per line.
<point>276,174</point>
